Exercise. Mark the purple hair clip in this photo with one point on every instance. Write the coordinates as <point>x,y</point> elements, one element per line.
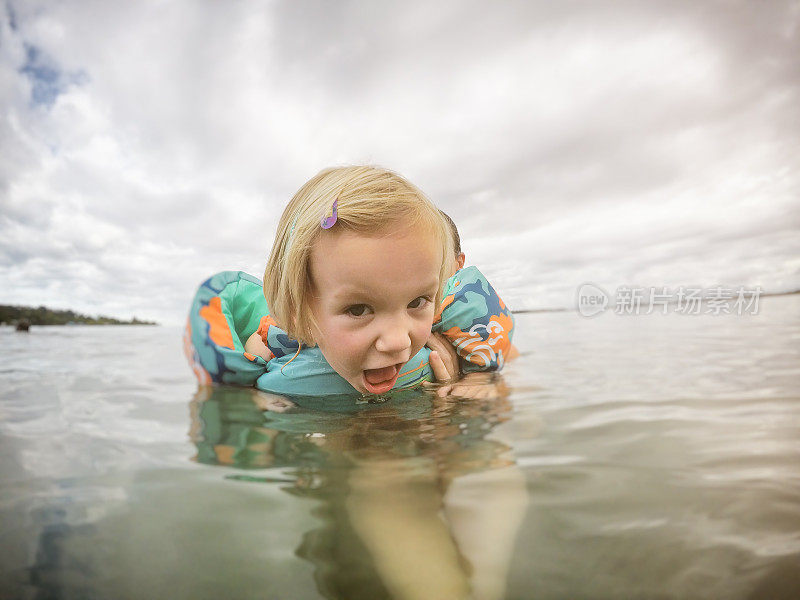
<point>328,222</point>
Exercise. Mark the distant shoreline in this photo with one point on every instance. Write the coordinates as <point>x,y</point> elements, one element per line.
<point>14,315</point>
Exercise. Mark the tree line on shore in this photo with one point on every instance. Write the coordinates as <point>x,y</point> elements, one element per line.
<point>46,316</point>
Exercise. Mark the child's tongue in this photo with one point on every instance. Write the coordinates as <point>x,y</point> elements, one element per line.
<point>380,381</point>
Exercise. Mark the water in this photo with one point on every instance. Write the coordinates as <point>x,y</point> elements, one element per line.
<point>636,457</point>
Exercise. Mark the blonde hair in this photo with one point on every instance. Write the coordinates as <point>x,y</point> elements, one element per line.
<point>369,199</point>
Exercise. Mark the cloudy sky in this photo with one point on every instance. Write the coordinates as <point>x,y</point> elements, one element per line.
<point>146,145</point>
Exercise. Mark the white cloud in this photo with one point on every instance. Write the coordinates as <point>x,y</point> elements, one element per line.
<point>604,143</point>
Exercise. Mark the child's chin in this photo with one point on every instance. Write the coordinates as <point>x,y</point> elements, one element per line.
<point>359,386</point>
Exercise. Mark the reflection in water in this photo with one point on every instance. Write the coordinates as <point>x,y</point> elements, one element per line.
<point>416,500</point>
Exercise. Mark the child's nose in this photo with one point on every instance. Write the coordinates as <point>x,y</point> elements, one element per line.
<point>395,337</point>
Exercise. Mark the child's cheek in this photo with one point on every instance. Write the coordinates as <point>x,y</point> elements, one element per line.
<point>349,340</point>
<point>421,333</point>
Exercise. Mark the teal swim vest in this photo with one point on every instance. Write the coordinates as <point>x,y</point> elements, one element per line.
<point>230,306</point>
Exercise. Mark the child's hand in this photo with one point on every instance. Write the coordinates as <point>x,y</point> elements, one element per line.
<point>478,385</point>
<point>444,360</point>
<point>255,345</point>
<point>272,402</point>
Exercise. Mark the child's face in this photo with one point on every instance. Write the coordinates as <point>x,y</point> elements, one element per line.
<point>373,299</point>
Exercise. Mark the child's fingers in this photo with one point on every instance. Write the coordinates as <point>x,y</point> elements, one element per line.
<point>446,353</point>
<point>485,391</point>
<point>439,370</point>
<point>272,402</point>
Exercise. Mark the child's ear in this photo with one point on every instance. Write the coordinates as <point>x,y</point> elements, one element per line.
<point>460,259</point>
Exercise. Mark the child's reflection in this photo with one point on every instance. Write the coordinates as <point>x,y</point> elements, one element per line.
<point>417,500</point>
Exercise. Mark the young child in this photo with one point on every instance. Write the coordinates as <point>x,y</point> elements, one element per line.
<point>354,282</point>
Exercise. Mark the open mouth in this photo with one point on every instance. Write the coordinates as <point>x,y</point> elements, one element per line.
<point>380,381</point>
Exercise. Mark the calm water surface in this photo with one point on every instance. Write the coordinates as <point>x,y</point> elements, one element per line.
<point>636,457</point>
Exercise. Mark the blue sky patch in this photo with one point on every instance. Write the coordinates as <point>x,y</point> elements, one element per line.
<point>48,80</point>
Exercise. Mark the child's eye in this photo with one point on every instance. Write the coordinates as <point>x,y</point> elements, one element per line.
<point>357,310</point>
<point>419,302</point>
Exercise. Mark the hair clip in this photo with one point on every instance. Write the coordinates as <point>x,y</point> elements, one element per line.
<point>328,222</point>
